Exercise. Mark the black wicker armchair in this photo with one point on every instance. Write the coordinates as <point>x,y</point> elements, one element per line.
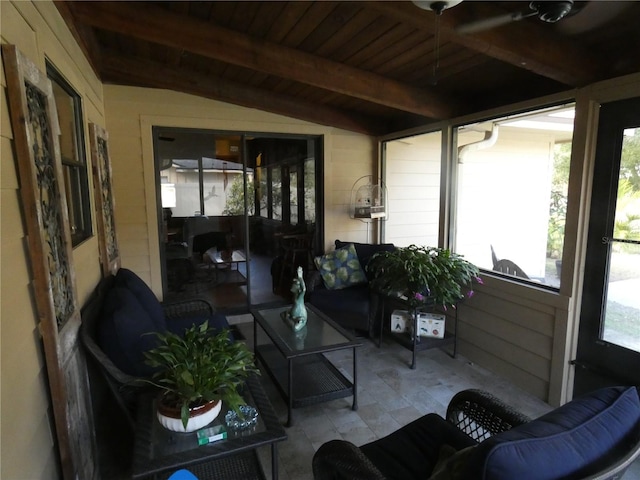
<point>125,386</point>
<point>479,426</point>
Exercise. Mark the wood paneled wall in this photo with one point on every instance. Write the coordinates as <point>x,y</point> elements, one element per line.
<point>27,424</point>
<point>511,329</point>
<point>132,112</point>
<point>521,333</point>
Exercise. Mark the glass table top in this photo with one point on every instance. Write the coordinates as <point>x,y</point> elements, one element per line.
<point>319,333</point>
<point>158,449</point>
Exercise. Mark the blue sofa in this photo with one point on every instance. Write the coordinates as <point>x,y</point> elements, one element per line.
<point>595,436</point>
<point>354,307</point>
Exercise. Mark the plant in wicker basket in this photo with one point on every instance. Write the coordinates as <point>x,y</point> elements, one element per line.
<point>199,367</point>
<point>424,275</point>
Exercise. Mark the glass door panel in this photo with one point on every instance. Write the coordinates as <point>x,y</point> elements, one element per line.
<point>276,193</point>
<point>609,331</point>
<point>621,322</point>
<point>293,197</point>
<point>310,190</point>
<point>225,200</point>
<point>288,179</point>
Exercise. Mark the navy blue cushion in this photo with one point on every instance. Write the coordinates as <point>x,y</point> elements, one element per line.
<point>127,279</point>
<point>367,250</point>
<point>354,300</point>
<point>413,450</point>
<point>570,442</point>
<point>122,332</point>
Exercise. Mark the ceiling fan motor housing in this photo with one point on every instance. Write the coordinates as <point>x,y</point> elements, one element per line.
<point>551,12</point>
<point>436,6</point>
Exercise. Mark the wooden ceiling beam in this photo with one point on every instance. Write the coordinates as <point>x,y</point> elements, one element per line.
<point>135,71</point>
<point>156,24</point>
<point>83,34</point>
<point>523,44</point>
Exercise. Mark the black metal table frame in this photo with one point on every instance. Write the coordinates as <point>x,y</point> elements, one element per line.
<point>144,466</point>
<point>416,343</point>
<point>351,388</point>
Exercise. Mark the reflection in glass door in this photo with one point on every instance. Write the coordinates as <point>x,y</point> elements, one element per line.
<point>609,335</point>
<point>201,176</point>
<point>287,188</point>
<point>621,322</point>
<point>225,200</point>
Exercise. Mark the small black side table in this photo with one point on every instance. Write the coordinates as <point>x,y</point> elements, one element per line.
<point>417,343</point>
<point>159,452</point>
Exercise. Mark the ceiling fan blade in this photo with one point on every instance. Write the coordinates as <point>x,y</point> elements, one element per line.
<point>592,15</point>
<point>489,23</point>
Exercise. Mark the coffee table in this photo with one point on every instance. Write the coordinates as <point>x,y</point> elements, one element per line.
<point>296,361</point>
<point>225,266</point>
<point>159,452</point>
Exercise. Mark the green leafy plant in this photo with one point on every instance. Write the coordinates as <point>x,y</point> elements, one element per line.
<point>555,230</point>
<point>558,199</point>
<point>234,204</point>
<point>198,367</point>
<point>425,275</point>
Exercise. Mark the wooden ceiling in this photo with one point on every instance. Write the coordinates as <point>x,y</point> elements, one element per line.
<point>371,67</point>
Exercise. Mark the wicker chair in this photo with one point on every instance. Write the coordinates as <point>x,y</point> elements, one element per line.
<point>124,386</point>
<point>473,416</point>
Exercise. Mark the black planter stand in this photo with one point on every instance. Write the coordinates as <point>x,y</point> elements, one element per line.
<point>414,343</point>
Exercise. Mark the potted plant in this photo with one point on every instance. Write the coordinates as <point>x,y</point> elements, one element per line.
<point>197,372</point>
<point>426,276</point>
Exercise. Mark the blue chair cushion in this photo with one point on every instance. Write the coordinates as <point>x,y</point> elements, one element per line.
<point>413,451</point>
<point>570,442</point>
<point>127,279</point>
<point>122,332</point>
<point>354,300</point>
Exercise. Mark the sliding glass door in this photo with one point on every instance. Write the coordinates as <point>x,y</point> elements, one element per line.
<point>609,335</point>
<point>225,200</point>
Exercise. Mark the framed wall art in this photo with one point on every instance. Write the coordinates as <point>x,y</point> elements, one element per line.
<point>34,122</point>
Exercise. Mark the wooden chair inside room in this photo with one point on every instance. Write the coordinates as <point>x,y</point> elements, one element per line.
<point>297,250</point>
<point>202,233</point>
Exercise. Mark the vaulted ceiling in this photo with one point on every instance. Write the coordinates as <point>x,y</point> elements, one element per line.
<point>371,67</point>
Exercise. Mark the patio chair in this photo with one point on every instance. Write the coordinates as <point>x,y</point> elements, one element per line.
<point>507,266</point>
<point>297,250</point>
<point>596,436</point>
<point>114,331</point>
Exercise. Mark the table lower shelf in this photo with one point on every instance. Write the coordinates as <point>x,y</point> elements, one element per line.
<point>242,466</point>
<point>424,343</point>
<point>315,379</point>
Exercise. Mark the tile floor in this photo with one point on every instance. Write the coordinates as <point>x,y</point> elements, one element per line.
<point>390,395</point>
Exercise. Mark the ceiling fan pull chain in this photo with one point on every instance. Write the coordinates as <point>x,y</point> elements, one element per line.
<point>436,63</point>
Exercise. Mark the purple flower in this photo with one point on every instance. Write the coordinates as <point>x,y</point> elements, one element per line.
<point>419,297</point>
<point>479,280</point>
<point>470,293</point>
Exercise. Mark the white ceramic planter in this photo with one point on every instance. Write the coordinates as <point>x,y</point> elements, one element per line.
<point>200,417</point>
